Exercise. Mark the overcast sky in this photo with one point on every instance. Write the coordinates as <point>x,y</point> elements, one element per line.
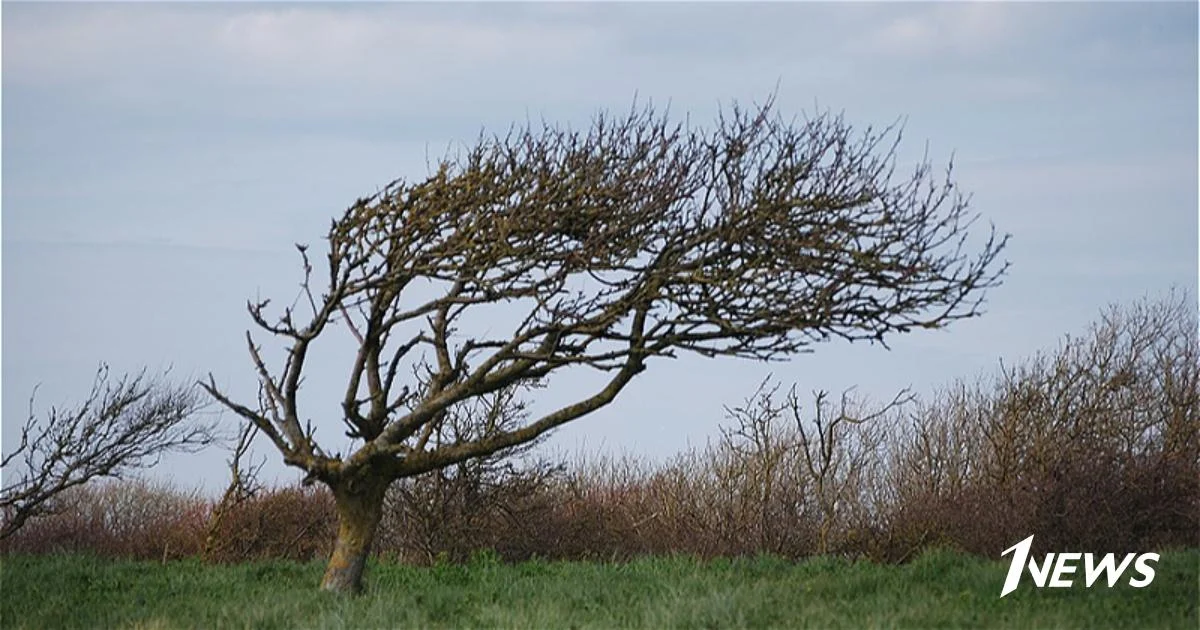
<point>159,161</point>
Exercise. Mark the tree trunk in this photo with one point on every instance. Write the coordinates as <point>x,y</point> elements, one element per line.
<point>359,508</point>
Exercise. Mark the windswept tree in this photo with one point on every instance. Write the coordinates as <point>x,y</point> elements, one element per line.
<point>125,424</point>
<point>608,248</point>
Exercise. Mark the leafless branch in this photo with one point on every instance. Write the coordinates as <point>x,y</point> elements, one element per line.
<point>124,424</point>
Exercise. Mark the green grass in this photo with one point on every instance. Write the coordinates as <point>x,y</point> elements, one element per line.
<point>938,590</point>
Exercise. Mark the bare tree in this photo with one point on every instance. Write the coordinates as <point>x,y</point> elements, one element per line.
<point>1094,443</point>
<point>791,464</point>
<point>636,239</point>
<point>453,510</point>
<point>838,447</point>
<point>243,485</point>
<point>123,425</point>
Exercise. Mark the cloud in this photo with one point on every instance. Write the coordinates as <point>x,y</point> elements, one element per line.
<point>293,66</point>
<point>973,28</point>
<point>392,46</point>
<point>64,44</point>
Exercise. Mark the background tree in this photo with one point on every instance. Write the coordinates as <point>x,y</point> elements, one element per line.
<point>123,425</point>
<point>636,239</point>
<point>452,512</point>
<point>243,485</point>
<point>1094,444</point>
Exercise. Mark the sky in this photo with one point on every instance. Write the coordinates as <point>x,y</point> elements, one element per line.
<point>161,159</point>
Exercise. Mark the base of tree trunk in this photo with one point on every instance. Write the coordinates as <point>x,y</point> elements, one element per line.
<point>359,511</point>
<point>345,570</point>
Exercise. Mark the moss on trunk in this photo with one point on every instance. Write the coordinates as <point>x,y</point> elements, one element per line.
<point>359,508</point>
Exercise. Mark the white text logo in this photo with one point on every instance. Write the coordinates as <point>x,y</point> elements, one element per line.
<point>1058,568</point>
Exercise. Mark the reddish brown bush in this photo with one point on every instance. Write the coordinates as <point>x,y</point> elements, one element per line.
<point>1095,446</point>
<point>295,523</point>
<point>453,513</point>
<point>137,519</point>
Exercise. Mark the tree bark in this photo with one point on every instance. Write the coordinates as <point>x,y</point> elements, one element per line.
<point>359,508</point>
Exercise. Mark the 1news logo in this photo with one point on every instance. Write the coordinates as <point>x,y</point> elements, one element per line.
<point>1064,564</point>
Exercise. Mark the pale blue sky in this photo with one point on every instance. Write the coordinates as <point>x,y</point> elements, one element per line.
<point>159,160</point>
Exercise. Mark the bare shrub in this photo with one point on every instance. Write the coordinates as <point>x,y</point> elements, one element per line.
<point>243,486</point>
<point>123,425</point>
<point>476,504</point>
<point>453,513</point>
<point>782,479</point>
<point>121,518</point>
<point>1093,446</point>
<point>803,476</point>
<point>690,507</point>
<point>609,510</point>
<point>291,522</point>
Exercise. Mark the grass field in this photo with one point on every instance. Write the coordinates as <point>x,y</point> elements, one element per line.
<point>938,590</point>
